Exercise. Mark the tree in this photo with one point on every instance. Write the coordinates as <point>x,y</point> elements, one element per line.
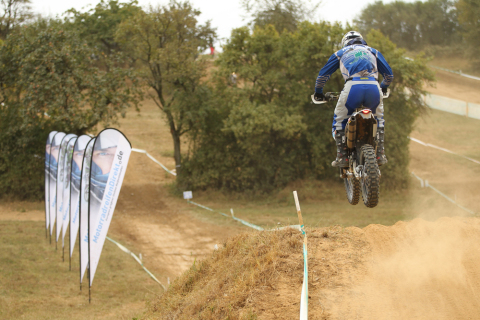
<point>48,81</point>
<point>166,42</point>
<point>282,14</point>
<point>263,133</point>
<point>469,17</point>
<point>412,25</point>
<point>15,12</point>
<point>98,26</point>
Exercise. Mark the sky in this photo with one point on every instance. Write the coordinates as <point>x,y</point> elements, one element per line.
<point>225,15</point>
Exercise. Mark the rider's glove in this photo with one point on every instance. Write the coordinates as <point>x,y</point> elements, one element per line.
<point>319,96</point>
<point>384,90</point>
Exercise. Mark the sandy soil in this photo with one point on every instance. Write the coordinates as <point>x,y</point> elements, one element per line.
<point>412,270</point>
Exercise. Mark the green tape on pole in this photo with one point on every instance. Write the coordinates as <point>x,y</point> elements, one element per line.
<point>248,224</point>
<point>138,260</point>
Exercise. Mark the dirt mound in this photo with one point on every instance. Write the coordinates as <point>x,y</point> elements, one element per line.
<point>412,270</point>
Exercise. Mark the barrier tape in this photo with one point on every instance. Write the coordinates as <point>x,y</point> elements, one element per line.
<point>457,72</point>
<point>304,295</point>
<point>452,71</point>
<point>138,260</point>
<point>424,183</point>
<point>295,227</point>
<point>442,149</point>
<point>248,224</point>
<point>154,160</point>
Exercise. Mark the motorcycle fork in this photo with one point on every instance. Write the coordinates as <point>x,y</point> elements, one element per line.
<point>345,172</point>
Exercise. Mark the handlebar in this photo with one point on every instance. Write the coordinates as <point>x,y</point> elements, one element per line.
<point>330,96</point>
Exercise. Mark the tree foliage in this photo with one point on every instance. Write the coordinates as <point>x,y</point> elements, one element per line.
<point>48,79</point>
<point>469,18</point>
<point>284,15</point>
<point>166,42</point>
<point>13,13</point>
<point>413,25</point>
<point>98,25</point>
<point>263,133</point>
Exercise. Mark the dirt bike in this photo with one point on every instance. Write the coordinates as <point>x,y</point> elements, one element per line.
<point>363,172</point>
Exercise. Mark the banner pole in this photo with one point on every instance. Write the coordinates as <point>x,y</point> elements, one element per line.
<point>89,251</point>
<point>89,258</point>
<point>70,232</point>
<point>56,242</point>
<point>89,282</point>
<point>80,235</point>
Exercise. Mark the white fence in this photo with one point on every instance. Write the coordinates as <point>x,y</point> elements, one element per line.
<point>463,108</point>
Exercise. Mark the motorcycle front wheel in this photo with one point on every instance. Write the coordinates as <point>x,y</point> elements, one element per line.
<point>352,188</point>
<point>370,181</point>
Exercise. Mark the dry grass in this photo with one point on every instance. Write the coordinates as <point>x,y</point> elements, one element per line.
<point>228,284</point>
<point>259,276</point>
<point>36,284</point>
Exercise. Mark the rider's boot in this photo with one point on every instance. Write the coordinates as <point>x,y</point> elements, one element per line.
<point>381,157</point>
<point>341,142</point>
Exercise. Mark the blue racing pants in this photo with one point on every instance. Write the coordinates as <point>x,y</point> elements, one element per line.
<point>358,92</point>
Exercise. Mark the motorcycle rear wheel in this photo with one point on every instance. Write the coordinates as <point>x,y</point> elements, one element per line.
<point>352,188</point>
<point>370,181</point>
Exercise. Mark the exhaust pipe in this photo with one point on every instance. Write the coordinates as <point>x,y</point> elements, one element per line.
<point>350,132</point>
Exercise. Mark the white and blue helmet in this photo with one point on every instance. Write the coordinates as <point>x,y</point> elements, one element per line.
<point>349,36</point>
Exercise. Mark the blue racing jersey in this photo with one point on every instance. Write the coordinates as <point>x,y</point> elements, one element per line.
<point>355,61</point>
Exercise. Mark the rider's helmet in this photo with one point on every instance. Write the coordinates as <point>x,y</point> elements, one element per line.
<point>351,37</point>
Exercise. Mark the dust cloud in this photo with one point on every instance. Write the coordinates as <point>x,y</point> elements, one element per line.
<point>417,270</point>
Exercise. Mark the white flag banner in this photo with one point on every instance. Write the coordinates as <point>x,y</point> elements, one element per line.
<point>75,179</point>
<point>67,168</point>
<point>84,196</point>
<point>111,153</point>
<point>54,153</point>
<point>47,178</point>
<point>60,181</point>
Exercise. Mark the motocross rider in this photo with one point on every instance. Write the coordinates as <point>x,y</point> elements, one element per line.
<point>360,66</point>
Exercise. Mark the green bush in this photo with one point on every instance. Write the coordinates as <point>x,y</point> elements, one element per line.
<point>22,146</point>
<point>262,132</point>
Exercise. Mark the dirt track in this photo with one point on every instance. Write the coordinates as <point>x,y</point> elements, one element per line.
<point>456,87</point>
<point>414,270</point>
<point>160,225</point>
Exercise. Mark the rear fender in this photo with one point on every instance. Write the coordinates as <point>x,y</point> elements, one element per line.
<point>365,113</point>
<point>366,131</point>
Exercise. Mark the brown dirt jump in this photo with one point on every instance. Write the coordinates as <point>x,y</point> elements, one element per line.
<point>411,270</point>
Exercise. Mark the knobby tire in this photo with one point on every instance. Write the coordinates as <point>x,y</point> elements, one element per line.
<point>370,180</point>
